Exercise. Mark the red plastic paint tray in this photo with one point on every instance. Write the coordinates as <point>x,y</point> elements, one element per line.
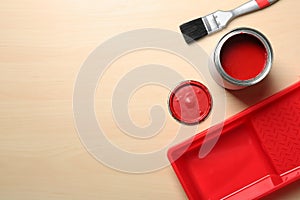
<point>257,152</point>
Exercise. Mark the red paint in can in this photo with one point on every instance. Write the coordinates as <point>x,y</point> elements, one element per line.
<point>243,56</point>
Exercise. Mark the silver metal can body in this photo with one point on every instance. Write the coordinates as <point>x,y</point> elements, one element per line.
<point>230,82</point>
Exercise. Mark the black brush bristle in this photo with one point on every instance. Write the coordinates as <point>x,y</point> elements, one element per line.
<point>193,30</point>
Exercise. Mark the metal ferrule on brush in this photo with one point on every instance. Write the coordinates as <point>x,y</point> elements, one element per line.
<point>210,23</point>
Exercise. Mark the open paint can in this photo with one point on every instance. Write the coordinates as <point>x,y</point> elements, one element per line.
<point>242,58</point>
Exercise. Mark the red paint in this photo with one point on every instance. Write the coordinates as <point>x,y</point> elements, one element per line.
<point>190,102</point>
<point>243,56</point>
<point>263,3</point>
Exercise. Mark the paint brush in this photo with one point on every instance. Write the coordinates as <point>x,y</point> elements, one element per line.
<point>218,20</point>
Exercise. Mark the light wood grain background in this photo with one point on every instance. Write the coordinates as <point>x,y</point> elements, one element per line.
<point>42,46</point>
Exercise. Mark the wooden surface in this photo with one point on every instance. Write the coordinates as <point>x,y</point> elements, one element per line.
<point>42,46</point>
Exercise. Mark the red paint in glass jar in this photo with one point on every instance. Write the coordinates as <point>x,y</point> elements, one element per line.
<point>243,56</point>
